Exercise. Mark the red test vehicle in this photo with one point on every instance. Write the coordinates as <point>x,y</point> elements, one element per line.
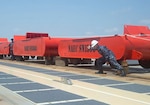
<point>133,45</point>
<point>36,44</point>
<point>4,47</point>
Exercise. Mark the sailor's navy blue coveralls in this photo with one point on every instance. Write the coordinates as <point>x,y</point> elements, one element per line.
<point>11,50</point>
<point>107,56</point>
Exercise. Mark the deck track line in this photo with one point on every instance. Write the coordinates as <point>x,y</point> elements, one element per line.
<point>64,101</point>
<point>14,83</point>
<point>118,84</point>
<point>106,93</point>
<point>115,95</point>
<point>34,90</point>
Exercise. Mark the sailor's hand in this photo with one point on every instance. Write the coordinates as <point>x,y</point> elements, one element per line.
<point>89,47</point>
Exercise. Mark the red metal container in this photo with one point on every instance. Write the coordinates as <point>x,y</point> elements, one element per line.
<point>137,40</point>
<point>77,48</point>
<point>136,46</point>
<point>136,30</point>
<point>4,46</point>
<point>3,40</point>
<point>37,44</point>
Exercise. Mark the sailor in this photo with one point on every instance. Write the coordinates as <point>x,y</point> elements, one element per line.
<point>107,56</point>
<point>11,49</point>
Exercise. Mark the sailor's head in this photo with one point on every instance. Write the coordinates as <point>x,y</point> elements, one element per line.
<point>12,39</point>
<point>94,43</point>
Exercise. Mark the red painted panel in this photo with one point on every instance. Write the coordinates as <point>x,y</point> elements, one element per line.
<point>29,47</point>
<point>34,35</point>
<point>3,40</point>
<point>132,45</point>
<point>137,43</point>
<point>36,45</point>
<point>77,48</point>
<point>19,37</point>
<point>4,46</point>
<point>135,30</point>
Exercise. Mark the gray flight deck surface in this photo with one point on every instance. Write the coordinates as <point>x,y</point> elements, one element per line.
<point>39,93</point>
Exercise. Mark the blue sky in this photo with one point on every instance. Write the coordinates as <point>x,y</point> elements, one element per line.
<point>71,18</point>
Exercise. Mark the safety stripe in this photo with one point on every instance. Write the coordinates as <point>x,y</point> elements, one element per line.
<point>35,90</point>
<point>118,84</point>
<point>95,78</point>
<point>15,83</point>
<point>64,101</point>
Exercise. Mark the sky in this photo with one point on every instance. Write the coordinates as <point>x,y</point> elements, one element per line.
<point>71,18</point>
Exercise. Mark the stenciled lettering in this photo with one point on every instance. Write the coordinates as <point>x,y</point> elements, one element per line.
<point>72,48</point>
<point>30,48</point>
<point>79,48</point>
<point>83,48</point>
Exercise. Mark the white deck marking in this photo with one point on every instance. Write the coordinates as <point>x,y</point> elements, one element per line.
<point>65,75</point>
<point>95,78</point>
<point>34,90</point>
<point>15,83</point>
<point>111,94</point>
<point>118,84</point>
<point>64,101</point>
<point>86,88</point>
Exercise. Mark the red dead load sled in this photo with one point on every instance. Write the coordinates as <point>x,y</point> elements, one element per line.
<point>4,47</point>
<point>133,45</point>
<point>36,44</point>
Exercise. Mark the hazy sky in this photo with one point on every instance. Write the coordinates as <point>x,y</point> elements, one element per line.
<point>71,18</point>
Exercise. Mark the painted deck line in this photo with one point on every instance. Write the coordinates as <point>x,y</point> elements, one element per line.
<point>15,83</point>
<point>82,87</point>
<point>115,95</point>
<point>34,90</point>
<point>64,101</point>
<point>95,78</point>
<point>118,84</point>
